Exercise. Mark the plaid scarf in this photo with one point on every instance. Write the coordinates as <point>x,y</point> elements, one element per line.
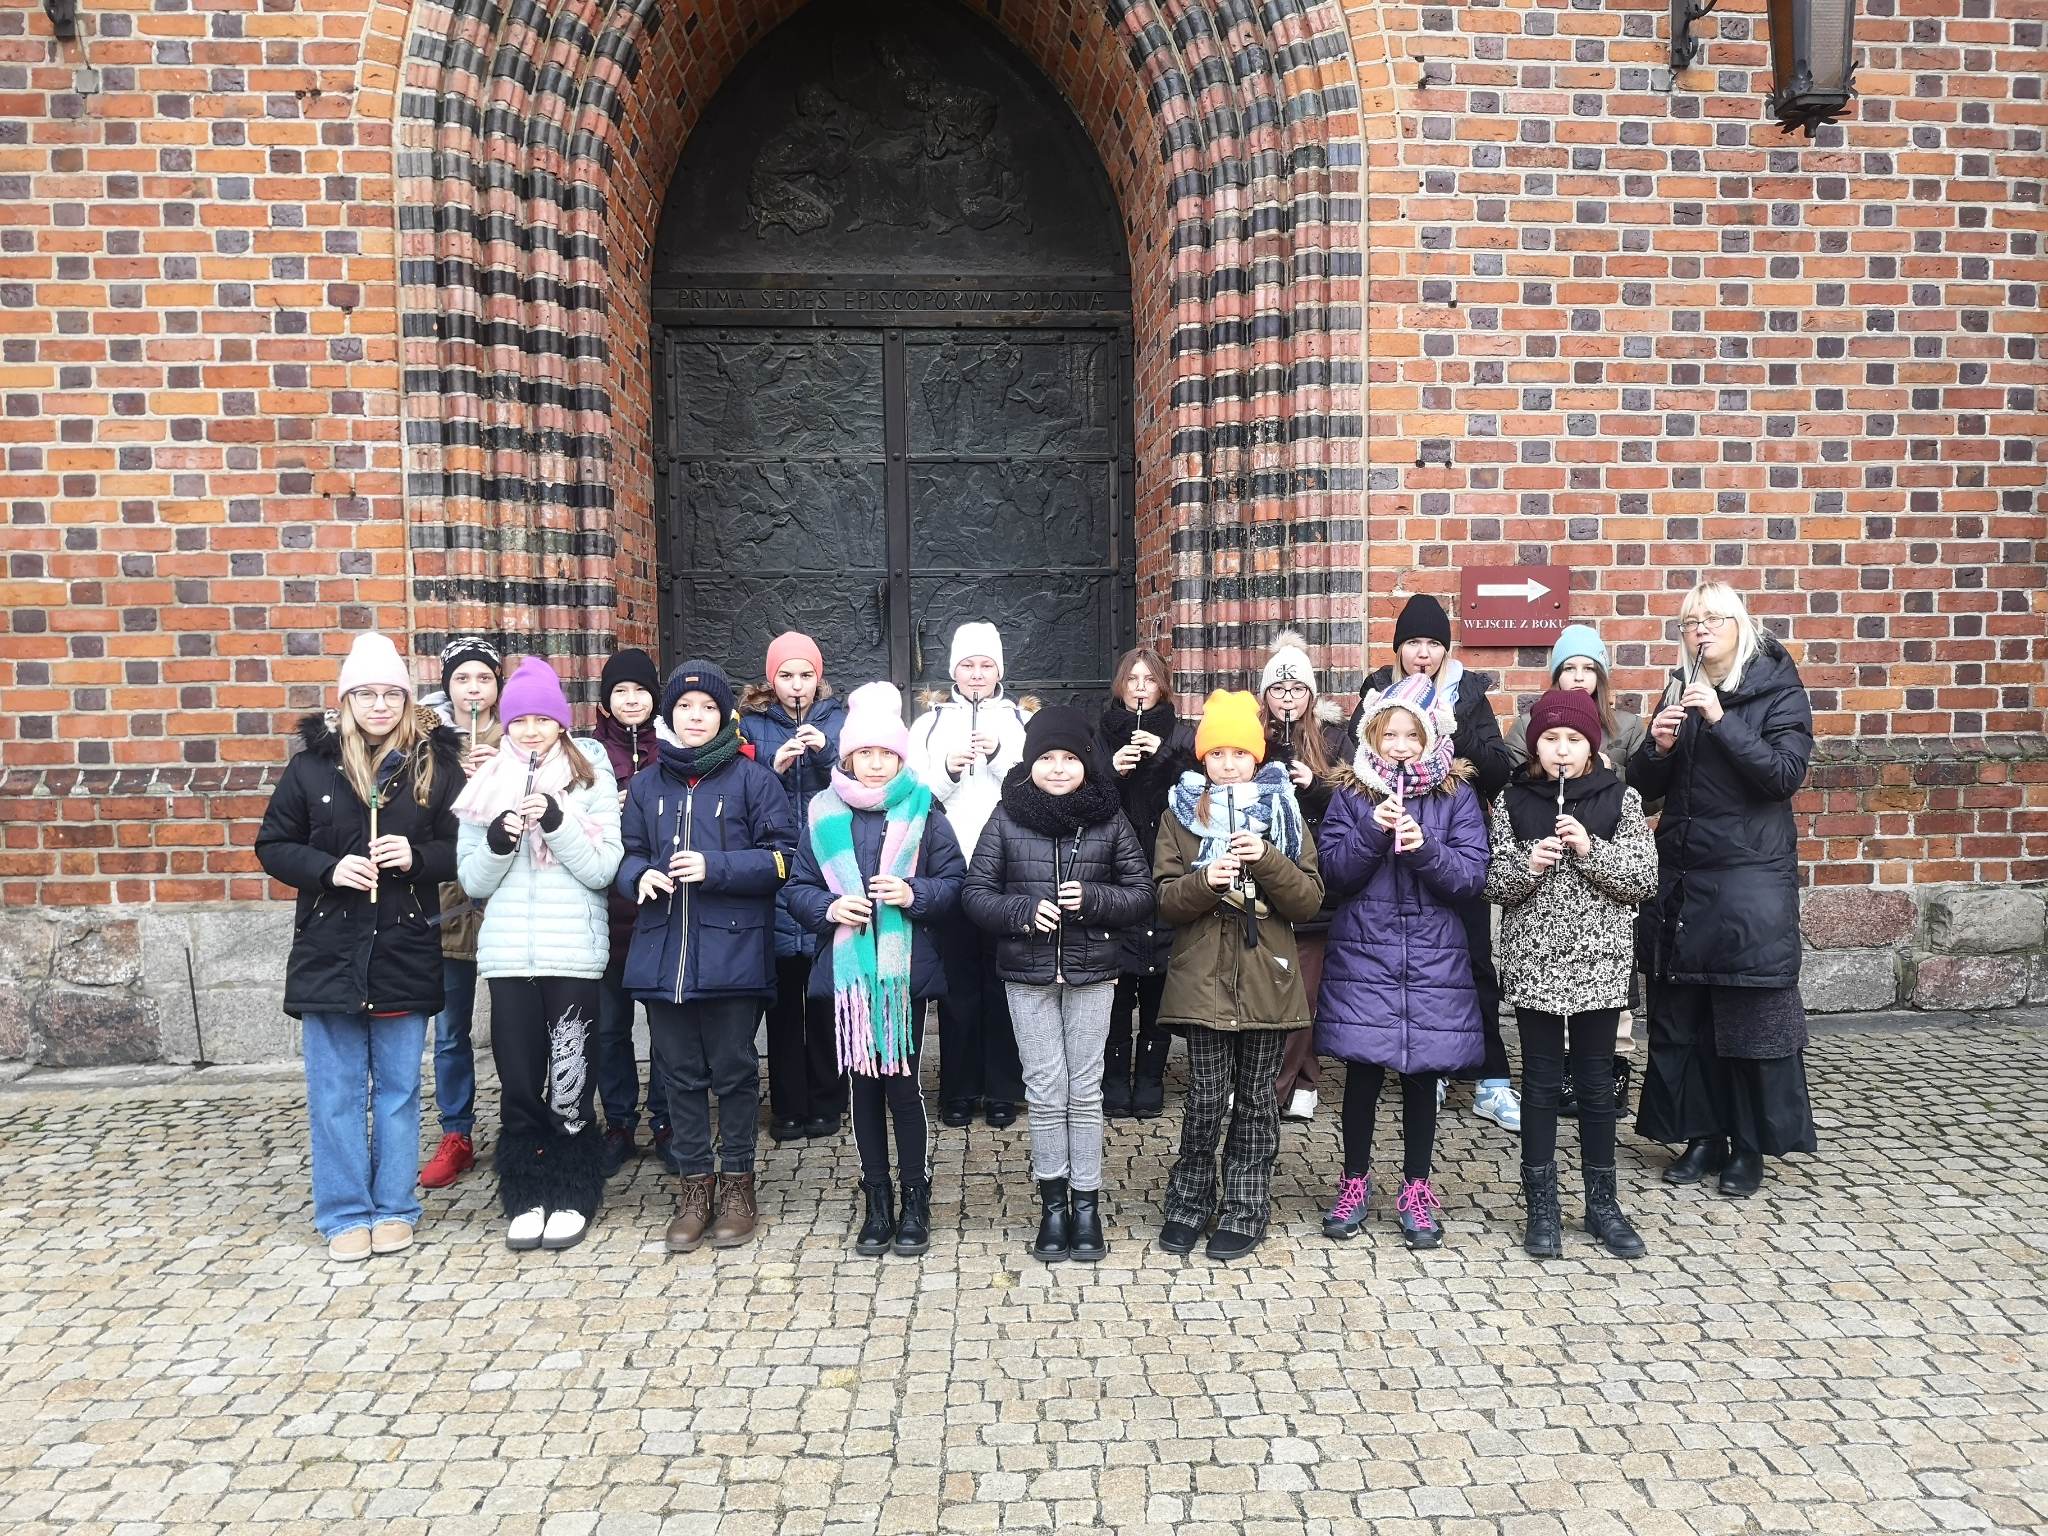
<point>871,1003</point>
<point>1266,806</point>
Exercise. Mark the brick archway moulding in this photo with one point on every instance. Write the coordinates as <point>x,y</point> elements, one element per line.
<point>535,144</point>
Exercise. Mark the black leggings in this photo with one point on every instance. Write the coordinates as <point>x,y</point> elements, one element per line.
<point>1592,1050</point>
<point>544,1040</point>
<point>1362,1084</point>
<point>898,1097</point>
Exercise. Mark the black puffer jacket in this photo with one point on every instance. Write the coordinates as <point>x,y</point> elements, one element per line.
<point>350,954</point>
<point>1142,792</point>
<point>1032,843</point>
<point>1727,905</point>
<point>1475,731</point>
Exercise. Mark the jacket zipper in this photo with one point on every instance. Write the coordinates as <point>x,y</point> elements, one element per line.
<point>689,820</point>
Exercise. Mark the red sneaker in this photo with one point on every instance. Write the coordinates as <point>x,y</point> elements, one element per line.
<point>453,1158</point>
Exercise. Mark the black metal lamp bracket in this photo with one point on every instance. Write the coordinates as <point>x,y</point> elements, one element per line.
<point>1685,48</point>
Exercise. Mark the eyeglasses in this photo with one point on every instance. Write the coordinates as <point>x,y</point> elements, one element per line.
<point>1289,690</point>
<point>380,699</point>
<point>1712,623</point>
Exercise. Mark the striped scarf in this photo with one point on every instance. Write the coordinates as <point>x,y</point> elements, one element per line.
<point>871,1003</point>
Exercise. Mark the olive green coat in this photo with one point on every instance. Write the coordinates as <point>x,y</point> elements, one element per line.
<point>1213,979</point>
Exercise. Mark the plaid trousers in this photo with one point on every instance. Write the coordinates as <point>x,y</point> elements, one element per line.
<point>1222,1061</point>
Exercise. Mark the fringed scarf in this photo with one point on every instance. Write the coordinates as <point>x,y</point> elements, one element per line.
<point>1266,806</point>
<point>509,777</point>
<point>871,1002</point>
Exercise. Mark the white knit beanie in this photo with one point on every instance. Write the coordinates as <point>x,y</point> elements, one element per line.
<point>1289,663</point>
<point>373,662</point>
<point>975,639</point>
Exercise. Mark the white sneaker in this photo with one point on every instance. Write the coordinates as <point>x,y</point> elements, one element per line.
<point>1443,1086</point>
<point>526,1229</point>
<point>565,1229</point>
<point>1496,1101</point>
<point>1302,1106</point>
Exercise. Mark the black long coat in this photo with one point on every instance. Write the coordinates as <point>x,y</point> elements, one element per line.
<point>1143,793</point>
<point>1016,866</point>
<point>351,954</point>
<point>1727,906</point>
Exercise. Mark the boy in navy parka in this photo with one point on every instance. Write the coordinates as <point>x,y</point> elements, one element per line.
<point>709,842</point>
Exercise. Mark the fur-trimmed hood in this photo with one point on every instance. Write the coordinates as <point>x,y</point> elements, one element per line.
<point>319,733</point>
<point>759,698</point>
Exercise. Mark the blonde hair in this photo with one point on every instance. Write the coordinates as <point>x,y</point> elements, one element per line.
<point>1711,597</point>
<point>360,768</point>
<point>1385,717</point>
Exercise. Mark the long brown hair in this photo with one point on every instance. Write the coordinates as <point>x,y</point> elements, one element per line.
<point>1603,693</point>
<point>1154,663</point>
<point>409,736</point>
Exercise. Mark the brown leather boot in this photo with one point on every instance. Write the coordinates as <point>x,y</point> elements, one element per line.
<point>736,1210</point>
<point>693,1214</point>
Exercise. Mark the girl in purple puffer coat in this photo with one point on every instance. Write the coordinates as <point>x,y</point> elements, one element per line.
<point>1403,842</point>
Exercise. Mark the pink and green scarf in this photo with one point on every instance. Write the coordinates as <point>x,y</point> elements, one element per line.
<point>871,1002</point>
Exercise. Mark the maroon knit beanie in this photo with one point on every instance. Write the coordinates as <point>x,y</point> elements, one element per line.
<point>1566,707</point>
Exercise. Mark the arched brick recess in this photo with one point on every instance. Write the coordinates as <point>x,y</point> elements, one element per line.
<point>534,149</point>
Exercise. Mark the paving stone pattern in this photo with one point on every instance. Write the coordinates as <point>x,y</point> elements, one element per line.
<point>1859,1349</point>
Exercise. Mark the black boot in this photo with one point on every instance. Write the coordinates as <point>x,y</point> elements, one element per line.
<point>879,1230</point>
<point>1568,1093</point>
<point>1603,1215</point>
<point>1148,1078</point>
<point>1116,1077</point>
<point>914,1228</point>
<point>1744,1174</point>
<point>1543,1235</point>
<point>1054,1240</point>
<point>1085,1212</point>
<point>1703,1155</point>
<point>1622,1070</point>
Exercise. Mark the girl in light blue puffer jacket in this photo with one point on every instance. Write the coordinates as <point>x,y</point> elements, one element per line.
<point>540,837</point>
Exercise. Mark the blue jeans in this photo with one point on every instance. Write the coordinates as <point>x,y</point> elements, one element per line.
<point>618,1076</point>
<point>363,1102</point>
<point>454,1057</point>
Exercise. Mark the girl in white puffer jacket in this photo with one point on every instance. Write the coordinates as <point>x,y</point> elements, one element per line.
<point>539,836</point>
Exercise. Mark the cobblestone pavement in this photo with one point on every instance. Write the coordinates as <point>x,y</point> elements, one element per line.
<point>1860,1348</point>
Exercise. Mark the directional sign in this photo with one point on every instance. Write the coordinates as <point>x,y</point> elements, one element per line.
<point>1513,604</point>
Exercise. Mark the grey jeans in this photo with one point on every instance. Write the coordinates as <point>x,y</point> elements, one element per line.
<point>1060,1034</point>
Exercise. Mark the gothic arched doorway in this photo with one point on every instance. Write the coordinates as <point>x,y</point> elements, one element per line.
<point>891,312</point>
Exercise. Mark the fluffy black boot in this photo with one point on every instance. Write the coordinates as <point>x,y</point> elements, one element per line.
<point>1055,1240</point>
<point>1543,1235</point>
<point>879,1229</point>
<point>1116,1077</point>
<point>1603,1214</point>
<point>1148,1078</point>
<point>556,1173</point>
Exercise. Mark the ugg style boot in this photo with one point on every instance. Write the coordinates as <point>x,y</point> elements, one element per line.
<point>737,1212</point>
<point>1055,1240</point>
<point>1603,1214</point>
<point>1116,1078</point>
<point>1148,1079</point>
<point>1543,1233</point>
<point>914,1226</point>
<point>693,1214</point>
<point>878,1231</point>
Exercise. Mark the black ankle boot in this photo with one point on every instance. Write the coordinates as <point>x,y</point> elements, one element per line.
<point>1603,1216</point>
<point>1543,1235</point>
<point>879,1230</point>
<point>1148,1078</point>
<point>914,1226</point>
<point>1085,1212</point>
<point>1055,1241</point>
<point>1116,1078</point>
<point>1703,1155</point>
<point>1744,1174</point>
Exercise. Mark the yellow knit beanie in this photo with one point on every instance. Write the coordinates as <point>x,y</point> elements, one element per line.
<point>1231,720</point>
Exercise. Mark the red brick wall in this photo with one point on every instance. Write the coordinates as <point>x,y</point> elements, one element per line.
<point>1643,332</point>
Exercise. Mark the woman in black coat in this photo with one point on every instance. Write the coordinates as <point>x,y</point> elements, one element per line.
<point>1422,643</point>
<point>1056,877</point>
<point>1148,747</point>
<point>1720,944</point>
<point>362,826</point>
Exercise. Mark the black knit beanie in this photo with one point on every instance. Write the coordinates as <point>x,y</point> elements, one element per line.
<point>1060,728</point>
<point>1423,619</point>
<point>462,650</point>
<point>632,665</point>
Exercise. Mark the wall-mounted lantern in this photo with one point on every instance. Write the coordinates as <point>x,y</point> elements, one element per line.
<point>63,16</point>
<point>1813,61</point>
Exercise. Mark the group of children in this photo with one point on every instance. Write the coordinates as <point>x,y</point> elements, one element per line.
<point>1071,892</point>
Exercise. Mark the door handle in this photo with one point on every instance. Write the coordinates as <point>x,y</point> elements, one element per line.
<point>917,661</point>
<point>882,612</point>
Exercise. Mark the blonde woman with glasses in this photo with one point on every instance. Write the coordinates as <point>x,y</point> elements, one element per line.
<point>1727,750</point>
